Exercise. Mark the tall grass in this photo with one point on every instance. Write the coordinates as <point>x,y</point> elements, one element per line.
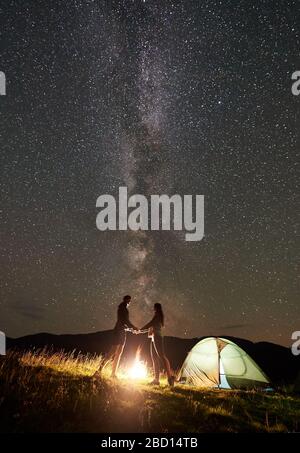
<point>72,363</point>
<point>43,390</point>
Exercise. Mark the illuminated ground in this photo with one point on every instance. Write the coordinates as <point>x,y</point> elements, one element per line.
<point>55,392</point>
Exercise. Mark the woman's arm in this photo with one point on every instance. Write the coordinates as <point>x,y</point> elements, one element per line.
<point>147,326</point>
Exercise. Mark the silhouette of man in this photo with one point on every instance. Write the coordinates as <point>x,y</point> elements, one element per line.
<point>119,333</point>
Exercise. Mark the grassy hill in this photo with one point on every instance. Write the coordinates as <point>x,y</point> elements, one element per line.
<point>55,392</point>
<point>280,365</point>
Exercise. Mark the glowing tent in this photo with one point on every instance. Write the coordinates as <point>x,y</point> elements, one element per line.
<point>218,362</point>
<point>2,343</point>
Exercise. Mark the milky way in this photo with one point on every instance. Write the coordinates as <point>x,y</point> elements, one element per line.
<point>189,97</point>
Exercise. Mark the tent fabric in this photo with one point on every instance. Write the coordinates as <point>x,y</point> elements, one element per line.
<point>218,362</point>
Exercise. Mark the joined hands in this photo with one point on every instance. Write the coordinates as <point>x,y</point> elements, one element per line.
<point>136,331</point>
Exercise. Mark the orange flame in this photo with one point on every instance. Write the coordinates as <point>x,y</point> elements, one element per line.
<point>138,369</point>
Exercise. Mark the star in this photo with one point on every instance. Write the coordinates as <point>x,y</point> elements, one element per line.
<point>163,98</point>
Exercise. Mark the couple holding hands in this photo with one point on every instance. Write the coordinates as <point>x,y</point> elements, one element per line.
<point>154,328</point>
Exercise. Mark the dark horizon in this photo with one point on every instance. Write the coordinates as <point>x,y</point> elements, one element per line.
<point>225,335</point>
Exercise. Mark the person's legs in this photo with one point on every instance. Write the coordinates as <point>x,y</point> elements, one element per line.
<point>120,338</point>
<point>108,357</point>
<point>111,353</point>
<point>116,360</point>
<point>155,362</point>
<point>118,354</point>
<point>159,346</point>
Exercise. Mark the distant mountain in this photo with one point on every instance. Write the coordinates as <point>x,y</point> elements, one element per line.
<point>275,360</point>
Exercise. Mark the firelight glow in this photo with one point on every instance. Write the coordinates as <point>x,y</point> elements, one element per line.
<point>138,369</point>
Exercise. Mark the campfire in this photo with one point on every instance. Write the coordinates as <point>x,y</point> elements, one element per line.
<point>138,369</point>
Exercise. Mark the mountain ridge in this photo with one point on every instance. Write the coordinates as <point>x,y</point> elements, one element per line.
<point>276,360</point>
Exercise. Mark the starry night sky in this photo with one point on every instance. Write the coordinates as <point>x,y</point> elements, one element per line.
<point>188,97</point>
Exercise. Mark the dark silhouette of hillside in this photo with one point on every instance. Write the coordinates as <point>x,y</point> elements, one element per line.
<point>275,360</point>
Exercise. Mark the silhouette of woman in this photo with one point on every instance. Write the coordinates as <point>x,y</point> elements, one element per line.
<point>157,345</point>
